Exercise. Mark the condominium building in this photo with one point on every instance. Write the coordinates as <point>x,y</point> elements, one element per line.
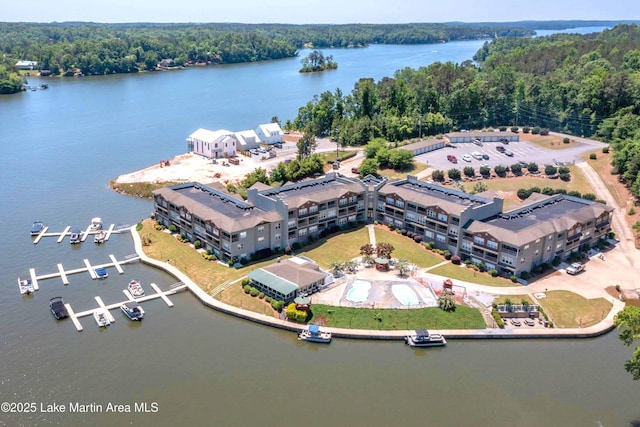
<point>471,226</point>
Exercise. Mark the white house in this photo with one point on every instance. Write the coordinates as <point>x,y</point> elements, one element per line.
<point>26,65</point>
<point>247,140</point>
<point>213,144</point>
<point>270,133</point>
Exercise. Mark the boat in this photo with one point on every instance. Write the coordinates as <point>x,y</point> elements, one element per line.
<point>96,224</point>
<point>37,228</point>
<point>59,311</point>
<point>101,273</point>
<point>423,338</point>
<point>76,237</point>
<point>26,286</point>
<point>314,334</point>
<point>101,318</point>
<point>132,310</point>
<point>100,237</point>
<point>136,289</point>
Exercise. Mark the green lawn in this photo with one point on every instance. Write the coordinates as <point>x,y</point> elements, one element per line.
<point>392,174</point>
<point>550,142</point>
<point>570,310</point>
<point>396,319</point>
<point>468,275</point>
<point>235,296</point>
<point>406,248</point>
<point>515,299</point>
<point>339,247</point>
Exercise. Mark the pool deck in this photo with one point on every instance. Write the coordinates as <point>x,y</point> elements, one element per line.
<point>601,328</point>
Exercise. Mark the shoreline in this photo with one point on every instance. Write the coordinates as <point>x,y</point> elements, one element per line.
<point>601,328</point>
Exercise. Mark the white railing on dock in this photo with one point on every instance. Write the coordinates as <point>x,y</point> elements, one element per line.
<point>84,234</point>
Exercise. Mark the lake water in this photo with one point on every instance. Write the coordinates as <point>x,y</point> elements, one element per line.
<point>59,149</point>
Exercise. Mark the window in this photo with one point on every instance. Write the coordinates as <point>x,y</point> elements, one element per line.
<point>313,229</point>
<point>559,246</point>
<point>442,217</point>
<point>313,209</point>
<point>261,239</point>
<point>215,231</point>
<point>466,246</point>
<point>278,236</point>
<point>492,245</point>
<point>302,211</point>
<point>410,216</point>
<point>342,202</point>
<point>261,229</point>
<point>521,260</point>
<point>240,245</point>
<point>400,203</point>
<point>292,224</point>
<point>478,240</point>
<point>506,260</point>
<point>243,234</point>
<point>428,234</point>
<point>431,213</point>
<point>526,247</point>
<point>302,232</point>
<point>548,248</point>
<point>380,206</point>
<point>390,200</point>
<point>440,238</point>
<point>353,199</point>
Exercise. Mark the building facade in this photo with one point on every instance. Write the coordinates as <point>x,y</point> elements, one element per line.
<point>213,144</point>
<point>456,137</point>
<point>270,133</point>
<point>473,227</point>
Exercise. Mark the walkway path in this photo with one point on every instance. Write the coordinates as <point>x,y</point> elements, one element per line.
<point>372,235</point>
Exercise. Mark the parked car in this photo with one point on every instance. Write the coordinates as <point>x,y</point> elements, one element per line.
<point>476,155</point>
<point>278,145</point>
<point>485,157</point>
<point>466,157</point>
<point>523,164</point>
<point>516,322</point>
<point>508,153</point>
<point>354,170</point>
<point>477,142</point>
<point>529,322</point>
<point>500,149</point>
<point>504,140</point>
<point>575,268</point>
<point>452,159</point>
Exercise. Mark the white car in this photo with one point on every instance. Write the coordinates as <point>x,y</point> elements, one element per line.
<point>466,157</point>
<point>476,155</point>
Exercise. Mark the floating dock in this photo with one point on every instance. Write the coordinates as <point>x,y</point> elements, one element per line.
<point>88,267</point>
<point>83,235</point>
<point>116,306</point>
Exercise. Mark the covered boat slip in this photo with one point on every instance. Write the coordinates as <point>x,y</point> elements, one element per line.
<point>102,306</point>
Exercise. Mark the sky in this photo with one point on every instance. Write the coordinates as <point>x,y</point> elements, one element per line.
<point>311,11</point>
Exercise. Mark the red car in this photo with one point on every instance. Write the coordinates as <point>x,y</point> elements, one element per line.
<point>452,159</point>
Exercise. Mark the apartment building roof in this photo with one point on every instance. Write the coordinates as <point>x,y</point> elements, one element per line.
<point>315,190</point>
<point>288,275</point>
<point>425,194</point>
<point>227,212</point>
<point>546,216</point>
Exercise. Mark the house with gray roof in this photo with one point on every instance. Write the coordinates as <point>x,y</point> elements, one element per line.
<point>287,279</point>
<point>456,137</point>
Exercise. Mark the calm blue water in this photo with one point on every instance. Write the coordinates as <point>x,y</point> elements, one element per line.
<point>58,150</point>
<point>359,291</point>
<point>405,295</point>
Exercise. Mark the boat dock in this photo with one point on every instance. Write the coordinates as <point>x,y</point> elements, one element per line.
<point>88,267</point>
<point>86,233</point>
<point>116,306</point>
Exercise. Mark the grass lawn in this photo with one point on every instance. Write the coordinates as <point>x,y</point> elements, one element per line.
<point>406,248</point>
<point>515,299</point>
<point>392,174</point>
<point>570,310</point>
<point>396,319</point>
<point>339,247</point>
<point>550,142</point>
<point>141,189</point>
<point>453,271</point>
<point>207,274</point>
<point>235,296</point>
<point>331,156</point>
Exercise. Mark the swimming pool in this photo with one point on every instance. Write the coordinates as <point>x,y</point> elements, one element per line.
<point>405,295</point>
<point>359,291</point>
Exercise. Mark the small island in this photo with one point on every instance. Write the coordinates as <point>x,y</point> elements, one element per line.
<point>316,61</point>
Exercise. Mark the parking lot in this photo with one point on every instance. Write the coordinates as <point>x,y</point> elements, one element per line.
<point>522,151</point>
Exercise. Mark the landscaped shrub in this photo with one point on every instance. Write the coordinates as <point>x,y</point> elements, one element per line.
<point>532,167</point>
<point>514,278</point>
<point>429,245</point>
<point>548,191</point>
<point>550,170</point>
<point>502,128</point>
<point>525,275</point>
<point>501,171</point>
<point>447,254</point>
<point>469,171</point>
<point>453,174</point>
<point>254,292</point>
<point>261,295</point>
<point>535,130</point>
<point>564,169</point>
<point>605,150</point>
<point>403,232</point>
<point>536,270</point>
<point>523,193</point>
<point>456,260</point>
<point>526,129</point>
<point>574,193</point>
<point>159,227</point>
<point>209,256</point>
<point>516,169</point>
<point>589,196</point>
<point>277,305</point>
<point>485,171</point>
<point>173,228</point>
<point>565,177</point>
<point>514,129</point>
<point>493,273</point>
<point>566,140</point>
<point>437,176</point>
<point>296,246</point>
<point>593,156</point>
<point>197,244</point>
<point>497,318</point>
<point>139,226</point>
<point>246,288</point>
<point>268,299</point>
<point>287,250</point>
<point>467,262</point>
<point>230,263</point>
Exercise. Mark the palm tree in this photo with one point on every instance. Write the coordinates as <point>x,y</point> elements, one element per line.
<point>446,301</point>
<point>402,265</point>
<point>337,268</point>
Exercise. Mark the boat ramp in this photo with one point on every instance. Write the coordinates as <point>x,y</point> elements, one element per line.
<point>84,234</point>
<point>88,267</point>
<point>116,306</point>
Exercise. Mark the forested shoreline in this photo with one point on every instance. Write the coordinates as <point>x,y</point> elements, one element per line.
<point>100,49</point>
<point>585,85</point>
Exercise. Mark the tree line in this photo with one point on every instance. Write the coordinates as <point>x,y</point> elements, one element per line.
<point>99,49</point>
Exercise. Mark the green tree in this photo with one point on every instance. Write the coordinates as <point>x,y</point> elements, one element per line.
<point>437,175</point>
<point>453,174</point>
<point>446,301</point>
<point>400,159</point>
<point>337,268</point>
<point>403,267</point>
<point>479,187</point>
<point>368,167</point>
<point>628,323</point>
<point>306,144</point>
<point>384,250</point>
<point>469,171</point>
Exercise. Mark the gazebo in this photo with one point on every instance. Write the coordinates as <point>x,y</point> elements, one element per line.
<point>302,303</point>
<point>382,264</point>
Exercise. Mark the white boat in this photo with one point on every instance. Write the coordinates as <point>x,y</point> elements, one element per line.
<point>100,236</point>
<point>101,318</point>
<point>423,338</point>
<point>136,289</point>
<point>101,273</point>
<point>314,334</point>
<point>96,224</point>
<point>37,228</point>
<point>132,310</point>
<point>26,286</point>
<point>76,237</point>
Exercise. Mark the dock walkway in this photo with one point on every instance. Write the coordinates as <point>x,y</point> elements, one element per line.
<point>83,235</point>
